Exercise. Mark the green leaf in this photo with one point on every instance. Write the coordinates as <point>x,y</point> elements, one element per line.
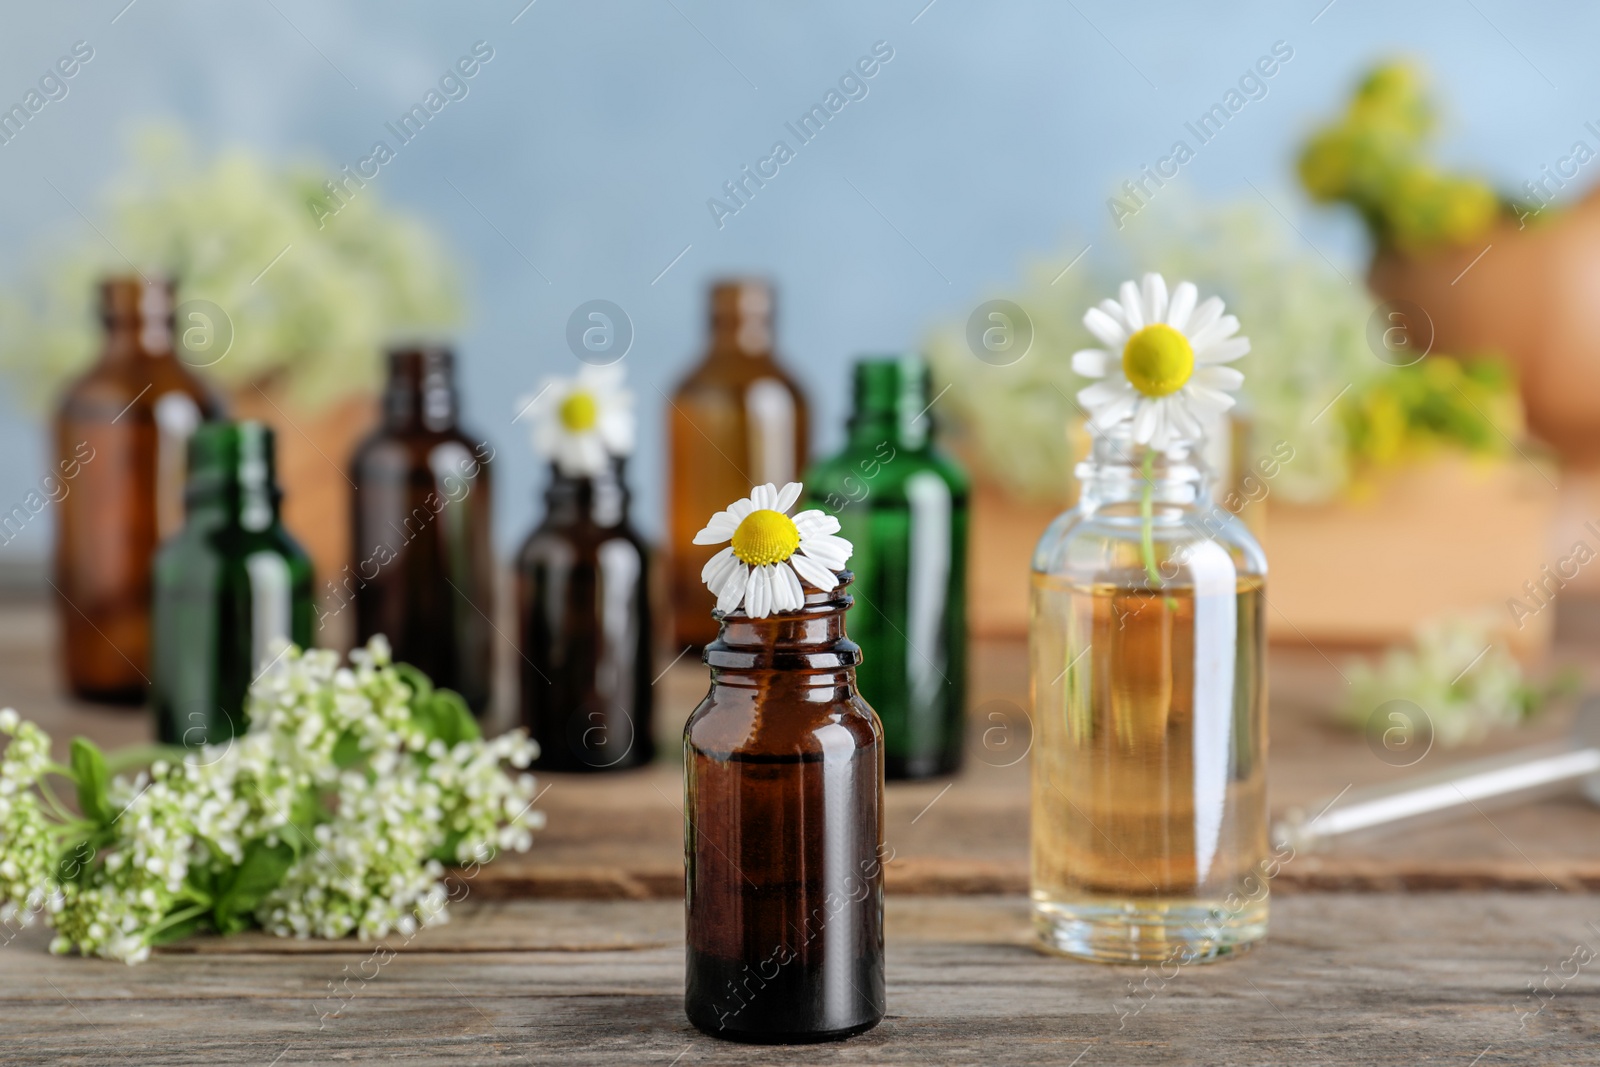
<point>347,751</point>
<point>89,770</point>
<point>454,718</point>
<point>262,871</point>
<point>178,931</point>
<point>418,682</point>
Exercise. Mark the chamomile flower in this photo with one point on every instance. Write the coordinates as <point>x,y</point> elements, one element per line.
<point>1162,367</point>
<point>771,553</point>
<point>581,423</point>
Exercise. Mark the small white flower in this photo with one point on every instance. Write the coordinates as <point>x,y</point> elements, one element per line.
<point>761,570</point>
<point>1162,364</point>
<point>582,423</point>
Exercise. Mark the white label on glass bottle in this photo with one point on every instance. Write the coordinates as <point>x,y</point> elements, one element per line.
<point>1216,609</point>
<point>927,586</point>
<point>177,416</point>
<point>769,414</point>
<point>270,607</point>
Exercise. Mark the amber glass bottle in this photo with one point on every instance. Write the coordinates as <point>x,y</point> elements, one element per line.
<point>783,833</point>
<point>738,420</point>
<point>229,588</point>
<point>583,589</point>
<point>123,428</point>
<point>421,566</point>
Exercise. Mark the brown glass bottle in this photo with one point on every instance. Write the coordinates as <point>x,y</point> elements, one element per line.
<point>738,420</point>
<point>421,570</point>
<point>123,428</point>
<point>583,594</point>
<point>783,833</point>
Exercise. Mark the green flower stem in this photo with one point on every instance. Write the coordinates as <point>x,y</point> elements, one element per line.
<point>1147,533</point>
<point>60,809</point>
<point>175,918</point>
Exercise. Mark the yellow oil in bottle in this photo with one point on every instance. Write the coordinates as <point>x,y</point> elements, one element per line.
<point>1149,778</point>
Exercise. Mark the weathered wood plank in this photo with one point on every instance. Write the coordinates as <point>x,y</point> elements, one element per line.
<point>1345,979</point>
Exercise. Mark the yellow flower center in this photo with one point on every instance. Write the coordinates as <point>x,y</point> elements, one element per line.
<point>765,537</point>
<point>1158,360</point>
<point>579,412</point>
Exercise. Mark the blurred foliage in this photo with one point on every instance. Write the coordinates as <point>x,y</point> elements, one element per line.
<point>1460,673</point>
<point>316,320</point>
<point>1372,157</point>
<point>1307,326</point>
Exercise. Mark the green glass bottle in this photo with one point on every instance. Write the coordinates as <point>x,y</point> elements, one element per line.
<point>229,586</point>
<point>903,505</point>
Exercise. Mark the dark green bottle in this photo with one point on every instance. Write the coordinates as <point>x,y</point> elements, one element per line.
<point>229,586</point>
<point>903,505</point>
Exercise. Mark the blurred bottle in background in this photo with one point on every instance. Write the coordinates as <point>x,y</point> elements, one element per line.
<point>230,588</point>
<point>125,426</point>
<point>583,581</point>
<point>903,505</point>
<point>737,421</point>
<point>421,566</point>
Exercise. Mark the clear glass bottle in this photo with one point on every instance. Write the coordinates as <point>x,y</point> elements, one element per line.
<point>738,420</point>
<point>122,429</point>
<point>783,833</point>
<point>1147,674</point>
<point>902,504</point>
<point>422,568</point>
<point>584,606</point>
<point>229,588</point>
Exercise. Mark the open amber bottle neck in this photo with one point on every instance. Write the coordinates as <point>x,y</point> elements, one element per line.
<point>809,643</point>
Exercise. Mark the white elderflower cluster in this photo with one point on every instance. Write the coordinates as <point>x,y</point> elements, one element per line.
<point>336,813</point>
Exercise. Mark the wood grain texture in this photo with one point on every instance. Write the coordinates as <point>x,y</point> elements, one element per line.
<point>619,836</point>
<point>1374,979</point>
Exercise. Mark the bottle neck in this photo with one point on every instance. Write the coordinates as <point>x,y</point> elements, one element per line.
<point>1121,472</point>
<point>137,318</point>
<point>741,321</point>
<point>809,644</point>
<point>246,507</point>
<point>601,500</point>
<point>420,396</point>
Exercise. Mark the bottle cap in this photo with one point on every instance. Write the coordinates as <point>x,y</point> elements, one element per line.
<point>232,455</point>
<point>894,387</point>
<point>422,385</point>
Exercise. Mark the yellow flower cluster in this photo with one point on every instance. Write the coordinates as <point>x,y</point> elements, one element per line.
<point>1373,158</point>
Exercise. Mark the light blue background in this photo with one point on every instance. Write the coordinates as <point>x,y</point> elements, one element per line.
<point>598,132</point>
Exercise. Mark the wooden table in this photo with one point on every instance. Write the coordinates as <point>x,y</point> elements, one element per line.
<point>573,953</point>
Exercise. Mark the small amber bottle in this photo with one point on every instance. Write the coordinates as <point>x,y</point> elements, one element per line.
<point>421,569</point>
<point>583,593</point>
<point>738,420</point>
<point>122,432</point>
<point>783,834</point>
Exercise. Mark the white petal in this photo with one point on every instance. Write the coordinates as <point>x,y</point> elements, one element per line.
<point>787,496</point>
<point>1117,410</point>
<point>1155,298</point>
<point>733,590</point>
<point>1224,378</point>
<point>1205,398</point>
<point>758,597</point>
<point>786,592</point>
<point>741,509</point>
<point>717,569</point>
<point>818,574</point>
<point>1101,393</point>
<point>762,497</point>
<point>1184,421</point>
<point>1224,352</point>
<point>832,551</point>
<point>1132,307</point>
<point>1114,309</point>
<point>719,529</point>
<point>1223,328</point>
<point>1107,330</point>
<point>815,523</point>
<point>1090,362</point>
<point>1209,311</point>
<point>1146,421</point>
<point>615,429</point>
<point>1182,307</point>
